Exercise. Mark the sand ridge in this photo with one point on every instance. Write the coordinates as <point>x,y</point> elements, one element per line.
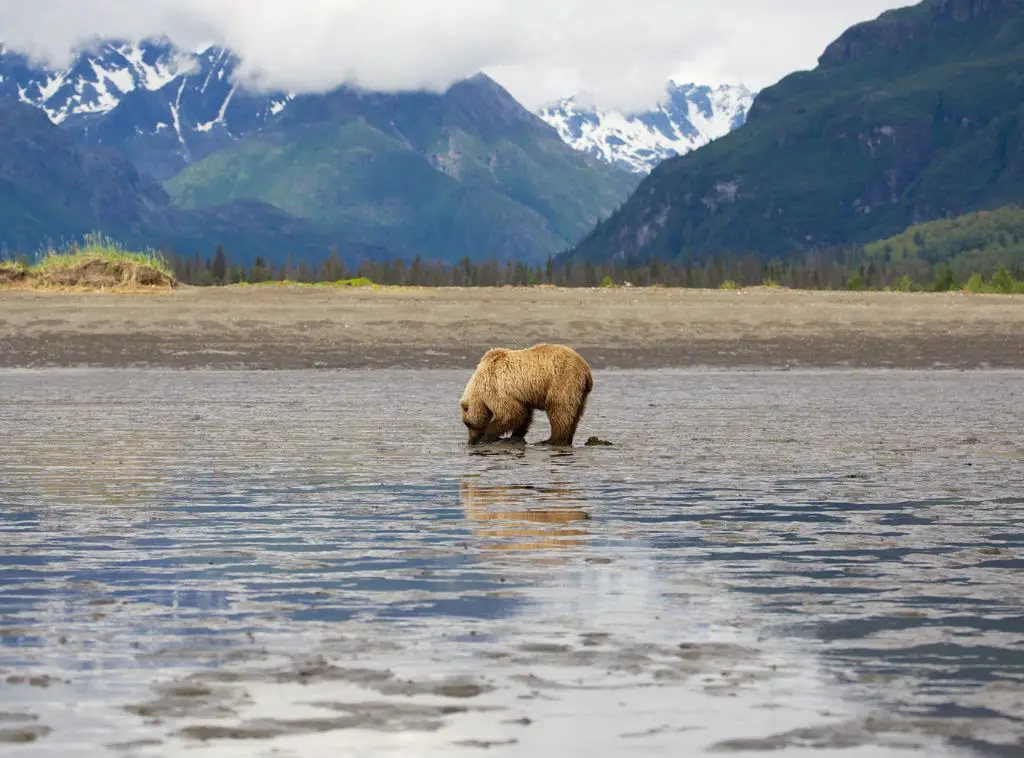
<point>327,327</point>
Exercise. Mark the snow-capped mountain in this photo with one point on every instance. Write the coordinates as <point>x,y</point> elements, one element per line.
<point>690,116</point>
<point>95,83</point>
<point>163,107</point>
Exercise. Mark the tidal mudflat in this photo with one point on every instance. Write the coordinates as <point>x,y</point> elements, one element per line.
<point>313,563</point>
<point>287,327</point>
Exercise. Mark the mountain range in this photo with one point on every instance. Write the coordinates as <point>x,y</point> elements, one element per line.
<point>468,172</point>
<point>165,108</point>
<point>913,116</point>
<point>162,107</point>
<point>688,117</point>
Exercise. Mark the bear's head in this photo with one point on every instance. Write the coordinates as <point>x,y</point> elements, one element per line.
<point>476,416</point>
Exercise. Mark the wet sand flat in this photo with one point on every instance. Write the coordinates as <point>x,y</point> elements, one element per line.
<point>321,327</point>
<point>230,564</point>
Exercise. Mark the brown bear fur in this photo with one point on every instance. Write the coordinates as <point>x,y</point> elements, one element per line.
<point>508,385</point>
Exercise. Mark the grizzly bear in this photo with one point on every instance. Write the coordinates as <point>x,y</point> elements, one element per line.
<point>508,385</point>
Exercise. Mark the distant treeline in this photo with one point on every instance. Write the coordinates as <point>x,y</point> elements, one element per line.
<point>841,268</point>
<point>979,251</point>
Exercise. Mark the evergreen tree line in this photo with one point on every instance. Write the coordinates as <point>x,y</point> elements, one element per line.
<point>839,268</point>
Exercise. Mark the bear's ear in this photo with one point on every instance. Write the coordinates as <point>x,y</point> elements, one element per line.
<point>464,405</point>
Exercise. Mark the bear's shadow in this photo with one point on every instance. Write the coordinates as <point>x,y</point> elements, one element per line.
<point>519,445</point>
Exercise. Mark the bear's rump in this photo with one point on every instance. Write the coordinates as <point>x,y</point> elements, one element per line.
<point>550,387</point>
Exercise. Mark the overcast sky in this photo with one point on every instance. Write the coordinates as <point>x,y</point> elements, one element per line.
<point>619,51</point>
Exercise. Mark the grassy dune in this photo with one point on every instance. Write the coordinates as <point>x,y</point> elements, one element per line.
<point>98,265</point>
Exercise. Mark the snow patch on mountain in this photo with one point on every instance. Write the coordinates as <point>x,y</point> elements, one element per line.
<point>276,106</point>
<point>163,106</point>
<point>97,81</point>
<point>689,116</point>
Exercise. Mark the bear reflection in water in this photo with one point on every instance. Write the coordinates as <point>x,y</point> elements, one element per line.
<point>509,385</point>
<point>510,511</point>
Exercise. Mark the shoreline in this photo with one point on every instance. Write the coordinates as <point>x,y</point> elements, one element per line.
<point>288,327</point>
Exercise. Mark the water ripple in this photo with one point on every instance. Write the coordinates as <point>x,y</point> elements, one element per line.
<point>208,561</point>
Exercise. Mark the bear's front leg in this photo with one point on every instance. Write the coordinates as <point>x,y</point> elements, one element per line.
<point>523,426</point>
<point>492,433</point>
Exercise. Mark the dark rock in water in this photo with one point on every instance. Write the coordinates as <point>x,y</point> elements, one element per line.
<point>596,441</point>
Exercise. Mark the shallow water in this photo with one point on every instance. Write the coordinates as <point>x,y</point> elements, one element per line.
<point>302,563</point>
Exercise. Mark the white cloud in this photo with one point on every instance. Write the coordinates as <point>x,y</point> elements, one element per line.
<point>620,52</point>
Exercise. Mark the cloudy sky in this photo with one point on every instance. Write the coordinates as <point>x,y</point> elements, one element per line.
<point>619,51</point>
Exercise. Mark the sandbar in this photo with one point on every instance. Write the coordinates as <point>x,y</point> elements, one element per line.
<point>296,327</point>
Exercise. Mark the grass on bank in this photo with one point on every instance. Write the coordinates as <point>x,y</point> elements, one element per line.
<point>98,264</point>
<point>359,281</point>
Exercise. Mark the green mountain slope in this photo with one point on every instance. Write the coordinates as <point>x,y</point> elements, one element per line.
<point>914,116</point>
<point>53,192</point>
<point>978,241</point>
<point>467,173</point>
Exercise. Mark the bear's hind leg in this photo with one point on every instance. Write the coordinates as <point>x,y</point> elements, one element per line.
<point>564,420</point>
<point>576,418</point>
<point>563,426</point>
